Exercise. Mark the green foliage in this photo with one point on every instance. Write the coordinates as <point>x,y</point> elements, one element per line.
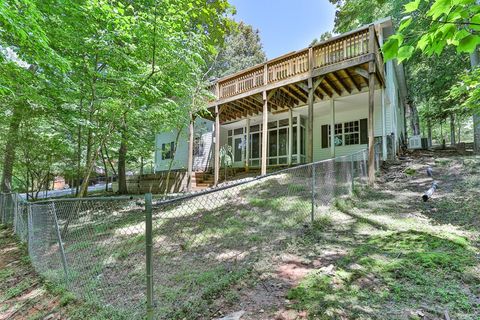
<point>241,49</point>
<point>436,25</point>
<point>78,77</point>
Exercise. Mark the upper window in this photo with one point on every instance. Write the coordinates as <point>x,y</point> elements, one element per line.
<point>168,150</point>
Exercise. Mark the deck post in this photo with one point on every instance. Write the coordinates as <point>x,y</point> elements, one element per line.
<point>247,146</point>
<point>190,154</point>
<point>371,131</point>
<point>264,133</point>
<point>371,107</point>
<point>332,128</point>
<point>384,127</point>
<point>217,147</point>
<point>290,136</point>
<point>310,101</point>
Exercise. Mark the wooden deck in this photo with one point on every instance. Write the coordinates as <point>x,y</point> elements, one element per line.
<point>336,67</point>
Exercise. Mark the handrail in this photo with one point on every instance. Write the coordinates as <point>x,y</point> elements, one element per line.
<point>299,63</point>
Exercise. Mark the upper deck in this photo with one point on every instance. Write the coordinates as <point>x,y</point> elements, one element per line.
<point>335,63</point>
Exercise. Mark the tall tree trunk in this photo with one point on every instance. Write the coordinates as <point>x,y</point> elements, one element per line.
<point>414,119</point>
<point>429,124</point>
<point>79,153</point>
<point>459,126</point>
<point>122,158</point>
<point>475,62</point>
<point>10,148</point>
<point>452,130</point>
<point>105,168</point>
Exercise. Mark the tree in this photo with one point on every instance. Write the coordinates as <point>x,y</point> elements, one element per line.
<point>442,24</point>
<point>241,49</point>
<point>323,37</point>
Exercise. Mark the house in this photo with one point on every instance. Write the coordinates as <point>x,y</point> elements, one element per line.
<point>331,99</point>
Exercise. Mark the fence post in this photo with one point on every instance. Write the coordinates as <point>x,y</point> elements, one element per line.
<point>312,214</point>
<point>30,230</point>
<point>60,243</point>
<point>148,242</point>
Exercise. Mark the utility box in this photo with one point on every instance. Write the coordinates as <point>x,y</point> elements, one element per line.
<point>415,142</point>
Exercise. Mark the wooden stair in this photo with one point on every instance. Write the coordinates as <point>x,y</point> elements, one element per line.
<point>202,180</point>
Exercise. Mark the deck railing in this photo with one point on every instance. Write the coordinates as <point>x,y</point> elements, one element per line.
<point>300,63</point>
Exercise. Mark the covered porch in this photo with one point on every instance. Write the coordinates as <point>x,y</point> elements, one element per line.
<point>273,114</point>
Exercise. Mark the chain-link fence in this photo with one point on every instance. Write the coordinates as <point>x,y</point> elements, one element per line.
<point>178,258</point>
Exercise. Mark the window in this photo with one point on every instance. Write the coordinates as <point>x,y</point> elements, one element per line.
<point>238,131</point>
<point>168,150</point>
<point>338,135</point>
<point>352,132</point>
<point>347,133</point>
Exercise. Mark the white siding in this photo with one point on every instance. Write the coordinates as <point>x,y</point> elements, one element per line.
<point>203,128</point>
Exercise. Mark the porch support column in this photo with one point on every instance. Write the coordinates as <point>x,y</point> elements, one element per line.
<point>264,134</point>
<point>310,100</point>
<point>190,154</point>
<point>371,131</point>
<point>332,128</point>
<point>217,147</point>
<point>290,135</point>
<point>384,127</point>
<point>247,146</point>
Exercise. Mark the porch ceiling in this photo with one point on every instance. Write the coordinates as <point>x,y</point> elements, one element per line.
<point>336,83</point>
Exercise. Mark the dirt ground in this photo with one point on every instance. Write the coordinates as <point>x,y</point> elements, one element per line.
<point>382,254</point>
<point>325,273</point>
<point>22,295</point>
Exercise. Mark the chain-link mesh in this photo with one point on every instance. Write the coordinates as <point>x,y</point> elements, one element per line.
<point>209,240</point>
<point>202,243</point>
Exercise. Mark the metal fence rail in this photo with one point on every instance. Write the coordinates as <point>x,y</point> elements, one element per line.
<point>171,259</point>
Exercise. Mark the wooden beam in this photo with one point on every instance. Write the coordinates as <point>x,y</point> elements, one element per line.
<point>217,147</point>
<point>300,92</point>
<point>332,128</point>
<point>255,108</point>
<point>362,72</point>
<point>325,90</point>
<point>333,86</point>
<point>318,93</point>
<point>290,94</point>
<point>311,98</point>
<point>290,136</point>
<point>264,134</point>
<point>352,79</point>
<point>342,83</point>
<point>371,129</point>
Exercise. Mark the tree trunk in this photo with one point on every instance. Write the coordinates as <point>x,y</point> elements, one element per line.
<point>122,158</point>
<point>452,130</point>
<point>10,148</point>
<point>429,124</point>
<point>459,126</point>
<point>475,62</point>
<point>414,119</point>
<point>105,168</point>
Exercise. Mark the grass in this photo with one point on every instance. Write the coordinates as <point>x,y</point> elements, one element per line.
<point>390,255</point>
<point>398,268</point>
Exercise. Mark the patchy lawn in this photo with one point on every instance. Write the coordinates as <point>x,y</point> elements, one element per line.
<point>26,295</point>
<point>381,254</point>
<point>406,259</point>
